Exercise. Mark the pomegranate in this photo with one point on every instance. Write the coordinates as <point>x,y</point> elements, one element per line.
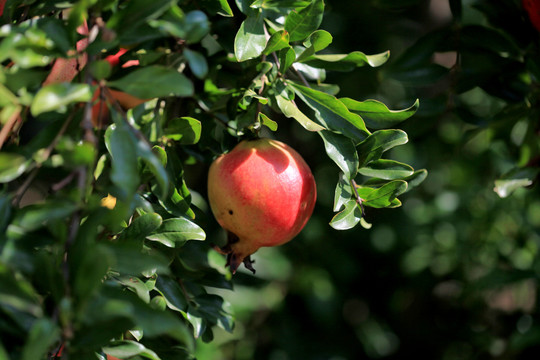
<point>533,10</point>
<point>262,193</point>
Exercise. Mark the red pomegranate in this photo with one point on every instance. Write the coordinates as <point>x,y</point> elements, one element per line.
<point>263,193</point>
<point>533,9</point>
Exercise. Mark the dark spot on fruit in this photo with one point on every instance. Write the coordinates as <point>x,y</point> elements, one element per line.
<point>230,212</point>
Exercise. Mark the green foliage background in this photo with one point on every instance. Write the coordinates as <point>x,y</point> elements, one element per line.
<point>450,274</point>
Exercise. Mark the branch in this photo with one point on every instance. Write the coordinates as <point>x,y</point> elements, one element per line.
<point>6,129</point>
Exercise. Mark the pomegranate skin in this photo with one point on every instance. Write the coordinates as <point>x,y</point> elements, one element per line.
<point>533,10</point>
<point>263,193</point>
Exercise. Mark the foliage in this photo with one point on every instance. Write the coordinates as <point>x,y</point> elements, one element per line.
<point>453,274</point>
<point>101,238</point>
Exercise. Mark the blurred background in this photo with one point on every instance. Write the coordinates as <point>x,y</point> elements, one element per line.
<point>452,274</point>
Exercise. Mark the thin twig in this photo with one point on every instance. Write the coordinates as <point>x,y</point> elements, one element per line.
<point>302,78</point>
<point>359,200</point>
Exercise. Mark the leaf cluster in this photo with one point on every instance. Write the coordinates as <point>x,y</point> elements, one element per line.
<point>101,240</point>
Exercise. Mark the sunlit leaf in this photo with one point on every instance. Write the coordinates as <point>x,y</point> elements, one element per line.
<point>186,130</point>
<point>302,23</point>
<point>12,166</point>
<point>269,123</point>
<point>250,40</point>
<point>377,115</point>
<point>317,41</point>
<point>142,226</point>
<point>342,151</point>
<point>56,97</point>
<point>377,143</point>
<point>346,62</point>
<point>386,169</point>
<point>129,348</point>
<point>515,179</point>
<point>383,196</point>
<point>332,114</point>
<point>343,192</point>
<point>287,57</point>
<point>290,110</point>
<point>348,217</point>
<point>279,40</point>
<point>175,232</point>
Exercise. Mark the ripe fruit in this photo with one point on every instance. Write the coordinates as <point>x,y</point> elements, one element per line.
<point>533,9</point>
<point>263,193</point>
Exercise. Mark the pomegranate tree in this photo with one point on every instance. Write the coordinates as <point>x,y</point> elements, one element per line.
<point>263,193</point>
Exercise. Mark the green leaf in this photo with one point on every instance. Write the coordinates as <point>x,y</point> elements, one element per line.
<point>43,334</point>
<point>383,196</point>
<point>220,7</point>
<point>90,270</point>
<point>34,216</point>
<point>386,169</point>
<point>424,75</point>
<point>376,115</point>
<point>250,40</point>
<point>122,146</point>
<point>136,285</point>
<point>197,63</point>
<point>196,26</point>
<point>175,232</point>
<point>142,226</point>
<point>128,348</point>
<point>317,41</point>
<point>310,72</point>
<point>132,260</point>
<point>55,30</point>
<point>343,192</point>
<point>137,12</point>
<point>214,310</point>
<point>348,217</point>
<point>279,40</point>
<point>277,4</point>
<point>18,293</point>
<point>171,290</point>
<point>154,81</point>
<point>56,97</point>
<point>12,166</point>
<point>287,57</point>
<point>515,179</point>
<point>156,167</point>
<point>377,143</point>
<point>496,41</point>
<point>421,52</point>
<point>342,151</point>
<point>269,123</point>
<point>346,62</point>
<point>186,130</point>
<point>100,69</point>
<point>3,353</point>
<point>332,114</point>
<point>416,178</point>
<point>290,110</point>
<point>302,23</point>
